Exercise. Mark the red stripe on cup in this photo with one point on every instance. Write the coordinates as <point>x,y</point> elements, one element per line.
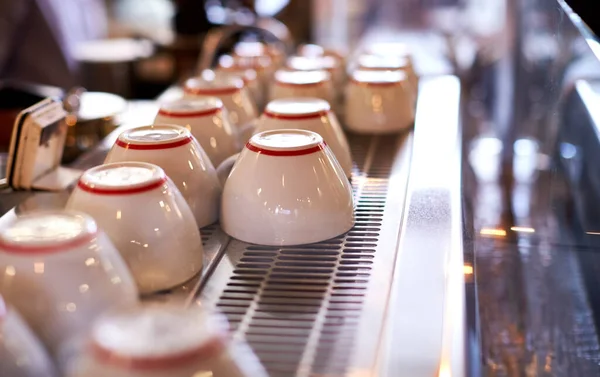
<point>316,114</point>
<point>212,91</point>
<point>190,114</point>
<point>210,350</point>
<point>166,145</point>
<point>57,246</point>
<point>121,191</point>
<point>288,153</point>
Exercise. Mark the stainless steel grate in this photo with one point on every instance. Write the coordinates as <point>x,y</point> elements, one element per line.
<point>300,308</point>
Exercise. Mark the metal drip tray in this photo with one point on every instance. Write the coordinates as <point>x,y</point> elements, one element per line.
<point>385,298</point>
<point>300,307</point>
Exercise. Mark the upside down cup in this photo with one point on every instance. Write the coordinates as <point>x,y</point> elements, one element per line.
<point>147,219</point>
<point>207,120</point>
<point>311,114</point>
<point>21,353</point>
<point>379,102</point>
<point>294,84</point>
<point>60,272</point>
<point>231,91</point>
<point>176,151</point>
<point>286,188</point>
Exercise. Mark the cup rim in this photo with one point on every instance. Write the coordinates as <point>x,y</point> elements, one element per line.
<point>157,179</point>
<point>333,63</point>
<point>210,106</point>
<point>279,78</point>
<point>88,231</point>
<point>384,62</point>
<point>323,109</point>
<point>378,78</point>
<point>191,86</point>
<point>313,143</point>
<point>182,137</point>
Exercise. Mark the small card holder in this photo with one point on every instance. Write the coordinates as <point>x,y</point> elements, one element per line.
<point>36,149</point>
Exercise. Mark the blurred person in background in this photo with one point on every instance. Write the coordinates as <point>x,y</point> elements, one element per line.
<point>37,38</point>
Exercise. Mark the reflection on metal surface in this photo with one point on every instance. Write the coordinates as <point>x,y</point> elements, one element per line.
<point>493,232</point>
<point>432,331</point>
<point>522,229</point>
<point>535,276</point>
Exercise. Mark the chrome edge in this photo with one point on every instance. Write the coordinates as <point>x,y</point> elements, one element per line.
<point>424,333</point>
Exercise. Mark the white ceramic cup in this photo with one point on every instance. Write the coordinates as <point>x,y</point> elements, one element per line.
<point>310,114</point>
<point>247,49</point>
<point>312,50</point>
<point>166,341</point>
<point>61,272</point>
<point>254,77</point>
<point>228,66</point>
<point>286,188</point>
<point>175,150</point>
<point>147,219</point>
<point>379,102</point>
<point>293,84</point>
<point>21,353</point>
<point>372,62</point>
<point>207,120</point>
<point>331,64</point>
<point>241,108</point>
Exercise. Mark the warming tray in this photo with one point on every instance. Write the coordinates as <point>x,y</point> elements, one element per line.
<point>387,297</point>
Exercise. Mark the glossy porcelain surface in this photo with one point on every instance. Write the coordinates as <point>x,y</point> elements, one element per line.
<point>208,121</point>
<point>309,114</point>
<point>60,272</point>
<point>315,84</point>
<point>165,341</point>
<point>286,188</point>
<point>147,219</point>
<point>21,353</point>
<point>230,90</point>
<point>181,157</point>
<point>379,102</point>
